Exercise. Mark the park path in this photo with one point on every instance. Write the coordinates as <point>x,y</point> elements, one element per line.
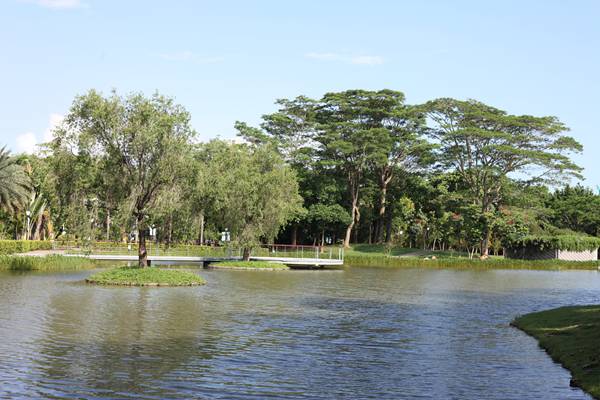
<point>41,253</point>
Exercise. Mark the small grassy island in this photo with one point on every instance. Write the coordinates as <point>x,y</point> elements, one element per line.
<point>150,276</point>
<point>251,265</point>
<point>571,337</point>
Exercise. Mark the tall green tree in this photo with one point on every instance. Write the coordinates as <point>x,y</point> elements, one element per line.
<point>15,184</point>
<point>141,141</point>
<point>484,145</point>
<point>250,191</point>
<point>352,141</point>
<point>576,208</point>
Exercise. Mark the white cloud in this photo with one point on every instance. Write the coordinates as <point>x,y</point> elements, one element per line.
<point>345,58</point>
<point>54,122</point>
<point>26,142</point>
<point>57,4</point>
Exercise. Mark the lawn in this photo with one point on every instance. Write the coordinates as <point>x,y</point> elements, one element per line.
<point>571,336</point>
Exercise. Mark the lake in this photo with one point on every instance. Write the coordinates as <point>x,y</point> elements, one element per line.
<point>358,333</point>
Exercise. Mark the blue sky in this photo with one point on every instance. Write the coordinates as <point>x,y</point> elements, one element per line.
<point>229,60</point>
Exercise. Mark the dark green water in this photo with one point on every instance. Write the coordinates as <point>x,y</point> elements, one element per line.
<point>351,334</point>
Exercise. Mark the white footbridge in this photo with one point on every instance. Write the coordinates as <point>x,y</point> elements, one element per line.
<point>292,256</point>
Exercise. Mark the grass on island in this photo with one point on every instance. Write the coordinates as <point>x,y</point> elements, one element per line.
<point>47,263</point>
<point>149,276</point>
<point>571,336</point>
<point>250,265</point>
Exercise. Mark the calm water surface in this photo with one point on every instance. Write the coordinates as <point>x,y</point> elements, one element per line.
<point>351,334</point>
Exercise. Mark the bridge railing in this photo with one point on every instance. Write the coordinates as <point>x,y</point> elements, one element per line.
<point>267,250</point>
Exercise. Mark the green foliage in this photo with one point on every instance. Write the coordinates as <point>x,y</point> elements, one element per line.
<point>250,191</point>
<point>328,216</point>
<point>576,208</point>
<point>359,160</point>
<point>560,242</point>
<point>484,145</point>
<point>570,336</point>
<point>47,263</point>
<point>139,145</point>
<point>15,185</point>
<point>23,246</point>
<point>128,276</point>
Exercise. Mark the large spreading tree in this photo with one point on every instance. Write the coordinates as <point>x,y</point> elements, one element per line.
<point>140,144</point>
<point>361,132</point>
<point>485,146</point>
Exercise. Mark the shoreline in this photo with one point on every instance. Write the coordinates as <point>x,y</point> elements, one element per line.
<point>570,336</point>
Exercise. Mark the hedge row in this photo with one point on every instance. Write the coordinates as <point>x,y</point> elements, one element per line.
<point>560,242</point>
<point>23,246</point>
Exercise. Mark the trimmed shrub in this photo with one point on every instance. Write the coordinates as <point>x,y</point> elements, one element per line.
<point>23,246</point>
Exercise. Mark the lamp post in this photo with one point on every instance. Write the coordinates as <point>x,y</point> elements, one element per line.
<point>28,233</point>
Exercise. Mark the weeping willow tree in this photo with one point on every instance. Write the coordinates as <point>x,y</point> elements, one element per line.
<point>15,185</point>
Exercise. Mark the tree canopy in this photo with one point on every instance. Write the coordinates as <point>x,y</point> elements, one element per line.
<point>355,166</point>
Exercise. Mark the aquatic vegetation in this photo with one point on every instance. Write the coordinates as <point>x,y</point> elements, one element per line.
<point>48,263</point>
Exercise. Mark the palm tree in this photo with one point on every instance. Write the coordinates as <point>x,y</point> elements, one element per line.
<point>15,185</point>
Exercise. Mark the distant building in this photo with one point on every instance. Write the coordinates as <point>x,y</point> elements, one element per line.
<point>567,247</point>
<point>533,253</point>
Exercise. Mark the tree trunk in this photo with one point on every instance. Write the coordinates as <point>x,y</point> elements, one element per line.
<point>107,225</point>
<point>170,230</point>
<point>381,216</point>
<point>348,233</point>
<point>485,243</point>
<point>294,234</point>
<point>38,227</point>
<point>246,254</point>
<point>388,229</point>
<point>142,253</point>
<point>354,213</point>
<point>201,237</point>
<point>385,178</point>
<point>322,237</point>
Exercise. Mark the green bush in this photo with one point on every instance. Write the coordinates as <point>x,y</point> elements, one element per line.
<point>560,242</point>
<point>22,246</point>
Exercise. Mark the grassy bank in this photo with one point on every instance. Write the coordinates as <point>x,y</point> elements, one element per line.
<point>376,256</point>
<point>48,263</point>
<point>571,336</point>
<point>264,265</point>
<point>464,262</point>
<point>151,276</point>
